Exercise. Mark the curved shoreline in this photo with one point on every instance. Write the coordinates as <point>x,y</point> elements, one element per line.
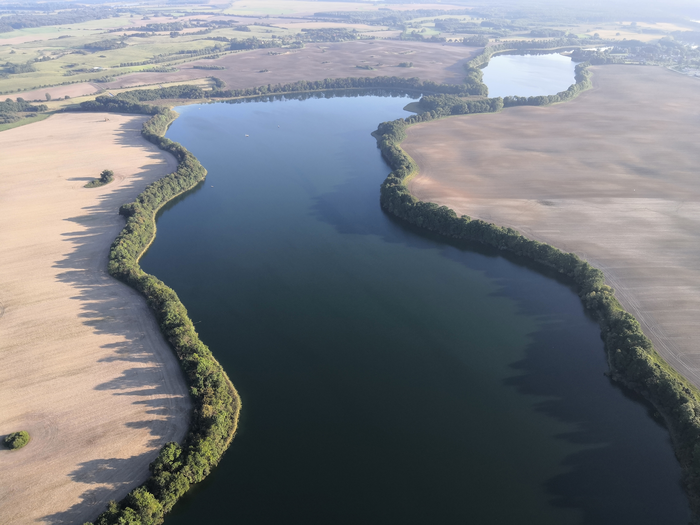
<point>632,359</point>
<point>126,268</point>
<point>217,403</point>
<point>84,367</point>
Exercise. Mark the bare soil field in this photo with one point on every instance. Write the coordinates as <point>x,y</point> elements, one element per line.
<point>612,176</point>
<point>83,365</point>
<point>440,63</point>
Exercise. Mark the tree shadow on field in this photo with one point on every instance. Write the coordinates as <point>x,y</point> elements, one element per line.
<point>105,476</point>
<point>137,367</point>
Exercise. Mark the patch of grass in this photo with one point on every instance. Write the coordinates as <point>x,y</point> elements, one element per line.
<point>17,440</point>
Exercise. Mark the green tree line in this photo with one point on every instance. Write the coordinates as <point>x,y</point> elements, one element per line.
<point>9,109</point>
<point>133,101</point>
<point>411,84</point>
<point>631,356</point>
<point>583,82</point>
<point>72,16</point>
<point>216,402</point>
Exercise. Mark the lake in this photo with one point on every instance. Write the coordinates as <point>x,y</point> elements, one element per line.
<point>528,75</point>
<point>387,375</point>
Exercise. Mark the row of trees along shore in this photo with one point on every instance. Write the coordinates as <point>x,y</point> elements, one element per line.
<point>132,101</point>
<point>631,356</point>
<point>216,402</point>
<point>632,359</point>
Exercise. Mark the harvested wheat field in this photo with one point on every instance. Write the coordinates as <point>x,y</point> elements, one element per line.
<point>436,62</point>
<point>83,365</point>
<point>612,176</point>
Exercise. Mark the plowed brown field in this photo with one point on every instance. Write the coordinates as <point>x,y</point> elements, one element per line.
<point>612,176</point>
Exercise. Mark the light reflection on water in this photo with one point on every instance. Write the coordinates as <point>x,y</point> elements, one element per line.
<point>528,75</point>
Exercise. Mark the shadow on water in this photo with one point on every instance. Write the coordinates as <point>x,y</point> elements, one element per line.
<point>612,423</point>
<point>106,310</point>
<point>568,380</point>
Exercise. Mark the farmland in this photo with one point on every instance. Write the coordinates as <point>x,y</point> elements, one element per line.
<point>613,181</point>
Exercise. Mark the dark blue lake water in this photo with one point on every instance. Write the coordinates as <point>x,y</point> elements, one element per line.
<point>387,376</point>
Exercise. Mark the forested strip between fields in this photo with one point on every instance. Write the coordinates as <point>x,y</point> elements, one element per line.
<point>216,402</point>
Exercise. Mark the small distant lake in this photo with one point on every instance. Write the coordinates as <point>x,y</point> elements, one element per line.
<point>388,376</point>
<point>528,75</point>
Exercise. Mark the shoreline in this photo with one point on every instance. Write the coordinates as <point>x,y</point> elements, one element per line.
<point>99,389</point>
<point>632,359</point>
<point>137,278</point>
<point>217,404</point>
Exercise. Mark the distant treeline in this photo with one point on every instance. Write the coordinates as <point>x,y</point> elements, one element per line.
<point>413,84</point>
<point>10,108</point>
<point>16,69</point>
<point>474,71</point>
<point>217,403</point>
<point>530,45</point>
<point>75,16</point>
<point>583,82</point>
<point>105,45</point>
<point>632,359</point>
<point>133,101</point>
<point>387,17</point>
<point>476,41</point>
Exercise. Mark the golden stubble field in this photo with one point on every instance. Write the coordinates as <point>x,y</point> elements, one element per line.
<point>612,176</point>
<point>83,365</point>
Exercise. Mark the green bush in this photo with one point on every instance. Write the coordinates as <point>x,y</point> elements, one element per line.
<point>17,440</point>
<point>106,177</point>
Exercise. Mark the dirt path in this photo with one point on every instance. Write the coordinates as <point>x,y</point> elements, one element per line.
<point>612,176</point>
<point>83,366</point>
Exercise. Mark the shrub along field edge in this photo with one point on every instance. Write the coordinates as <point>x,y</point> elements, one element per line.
<point>632,359</point>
